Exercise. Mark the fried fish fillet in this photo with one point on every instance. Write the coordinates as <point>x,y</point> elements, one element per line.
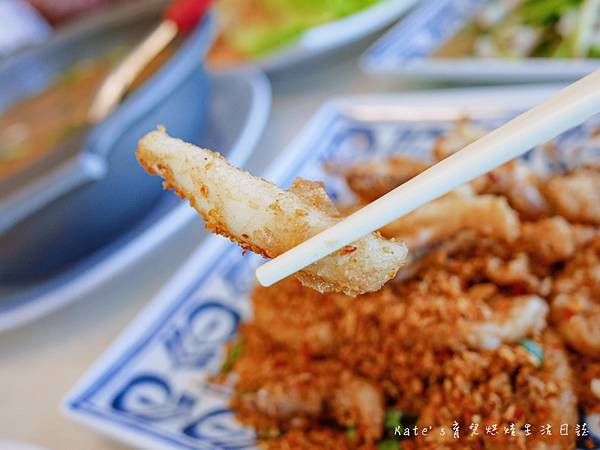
<point>373,179</point>
<point>267,220</point>
<point>489,215</point>
<point>576,195</point>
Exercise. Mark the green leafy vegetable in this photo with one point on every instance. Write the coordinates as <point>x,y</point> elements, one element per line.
<point>351,433</point>
<point>259,40</point>
<point>269,433</point>
<point>534,349</point>
<point>277,23</point>
<point>389,444</point>
<point>233,355</point>
<point>546,12</point>
<point>392,419</point>
<point>530,28</point>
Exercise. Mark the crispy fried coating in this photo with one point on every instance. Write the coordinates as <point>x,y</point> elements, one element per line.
<point>268,220</point>
<point>372,179</point>
<point>520,185</point>
<point>489,215</point>
<point>587,381</point>
<point>462,135</point>
<point>550,240</point>
<point>515,180</point>
<point>576,196</point>
<point>509,321</point>
<point>444,344</point>
<point>576,302</point>
<point>477,329</point>
<point>504,388</point>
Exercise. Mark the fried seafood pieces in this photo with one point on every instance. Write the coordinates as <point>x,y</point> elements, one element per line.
<point>576,196</point>
<point>372,179</point>
<point>494,205</point>
<point>495,323</point>
<point>508,390</point>
<point>576,301</point>
<point>453,342</point>
<point>515,181</point>
<point>441,219</point>
<point>587,381</point>
<point>267,220</point>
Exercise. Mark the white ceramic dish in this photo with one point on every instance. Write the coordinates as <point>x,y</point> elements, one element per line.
<point>320,40</point>
<point>150,389</point>
<point>407,50</point>
<point>239,110</point>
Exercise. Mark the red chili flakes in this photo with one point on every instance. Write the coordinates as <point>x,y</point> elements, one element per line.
<point>306,350</point>
<point>519,413</point>
<point>279,363</point>
<point>492,177</point>
<point>348,249</point>
<point>519,289</point>
<point>568,313</point>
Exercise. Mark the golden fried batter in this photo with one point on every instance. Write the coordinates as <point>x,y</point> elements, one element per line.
<point>267,220</point>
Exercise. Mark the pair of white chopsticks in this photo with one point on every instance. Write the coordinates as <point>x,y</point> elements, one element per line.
<point>570,107</point>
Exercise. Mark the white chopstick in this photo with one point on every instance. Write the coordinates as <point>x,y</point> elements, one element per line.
<point>570,107</point>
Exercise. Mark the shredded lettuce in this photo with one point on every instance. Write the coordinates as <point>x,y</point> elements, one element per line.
<point>536,28</point>
<point>546,12</point>
<point>261,40</point>
<point>325,9</point>
<point>273,24</point>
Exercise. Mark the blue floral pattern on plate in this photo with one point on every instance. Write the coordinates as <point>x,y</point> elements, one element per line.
<point>432,24</point>
<point>152,388</point>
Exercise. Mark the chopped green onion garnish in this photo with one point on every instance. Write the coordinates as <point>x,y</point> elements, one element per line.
<point>351,433</point>
<point>269,433</point>
<point>393,419</point>
<point>234,354</point>
<point>534,349</point>
<point>389,444</point>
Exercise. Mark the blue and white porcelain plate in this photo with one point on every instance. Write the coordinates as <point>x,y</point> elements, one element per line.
<point>151,389</point>
<point>408,49</point>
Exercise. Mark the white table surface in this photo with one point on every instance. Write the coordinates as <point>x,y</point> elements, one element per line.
<point>41,361</point>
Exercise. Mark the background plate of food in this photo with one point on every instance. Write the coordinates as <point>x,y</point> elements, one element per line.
<point>275,34</point>
<point>470,336</point>
<point>491,40</point>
